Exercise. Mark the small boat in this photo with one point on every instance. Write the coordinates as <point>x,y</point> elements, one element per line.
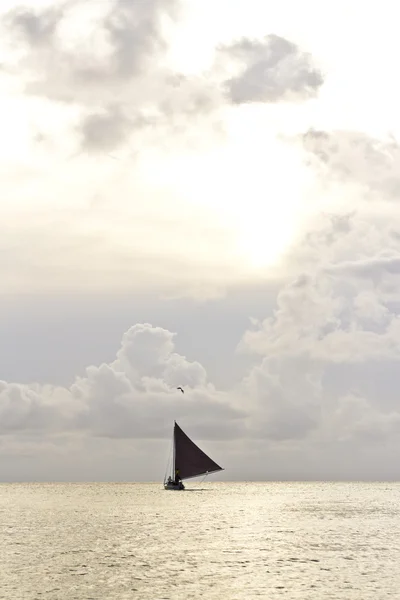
<point>188,461</point>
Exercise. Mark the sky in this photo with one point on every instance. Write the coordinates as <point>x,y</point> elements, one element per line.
<point>199,194</point>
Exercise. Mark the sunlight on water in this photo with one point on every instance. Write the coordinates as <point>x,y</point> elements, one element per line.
<point>226,541</point>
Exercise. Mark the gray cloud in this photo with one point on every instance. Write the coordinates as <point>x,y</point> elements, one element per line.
<point>107,129</point>
<point>37,28</point>
<point>374,268</point>
<point>352,156</point>
<point>115,73</point>
<point>132,30</point>
<point>274,69</point>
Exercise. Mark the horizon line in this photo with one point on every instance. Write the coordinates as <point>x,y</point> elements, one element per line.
<point>235,481</point>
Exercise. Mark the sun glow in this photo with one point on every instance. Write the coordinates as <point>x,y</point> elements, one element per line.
<point>251,183</point>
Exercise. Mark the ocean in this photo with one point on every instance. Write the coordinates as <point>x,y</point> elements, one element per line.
<point>225,541</point>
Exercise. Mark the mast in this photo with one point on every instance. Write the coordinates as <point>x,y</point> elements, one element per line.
<point>173,452</point>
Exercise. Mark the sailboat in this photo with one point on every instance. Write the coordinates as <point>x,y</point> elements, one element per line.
<point>188,461</point>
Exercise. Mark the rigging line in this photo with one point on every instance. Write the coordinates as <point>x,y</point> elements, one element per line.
<point>168,469</point>
<point>202,481</point>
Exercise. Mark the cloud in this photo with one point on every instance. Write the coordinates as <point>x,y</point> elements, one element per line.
<point>320,390</point>
<point>92,45</point>
<point>135,33</point>
<point>374,268</point>
<point>355,157</point>
<point>330,350</point>
<point>127,171</point>
<point>36,28</point>
<point>33,408</point>
<point>287,397</point>
<point>311,386</point>
<point>329,319</point>
<point>273,70</point>
<point>110,62</point>
<point>105,130</point>
<point>106,60</point>
<point>135,396</point>
<point>303,396</point>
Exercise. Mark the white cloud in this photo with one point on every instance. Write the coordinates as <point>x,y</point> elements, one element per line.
<point>307,394</point>
<point>128,167</point>
<point>134,396</point>
<point>331,348</point>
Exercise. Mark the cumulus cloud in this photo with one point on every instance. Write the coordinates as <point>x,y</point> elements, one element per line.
<point>331,349</point>
<point>324,375</point>
<point>135,396</point>
<point>309,388</point>
<point>326,381</point>
<point>328,374</point>
<point>273,69</point>
<point>328,319</point>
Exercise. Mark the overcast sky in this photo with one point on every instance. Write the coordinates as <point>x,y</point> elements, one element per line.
<point>202,194</point>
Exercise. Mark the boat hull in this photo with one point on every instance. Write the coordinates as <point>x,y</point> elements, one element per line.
<point>174,487</point>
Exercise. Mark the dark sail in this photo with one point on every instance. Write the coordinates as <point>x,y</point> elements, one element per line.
<point>190,461</point>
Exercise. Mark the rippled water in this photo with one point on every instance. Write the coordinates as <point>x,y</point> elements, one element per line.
<point>225,541</point>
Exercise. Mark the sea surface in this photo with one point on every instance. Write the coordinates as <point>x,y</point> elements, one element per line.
<point>228,541</point>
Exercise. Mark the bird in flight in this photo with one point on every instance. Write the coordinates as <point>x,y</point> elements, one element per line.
<point>182,390</point>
